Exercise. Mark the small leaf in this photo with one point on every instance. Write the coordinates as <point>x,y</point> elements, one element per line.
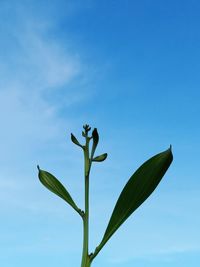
<point>75,141</point>
<point>55,186</point>
<point>95,137</point>
<point>100,158</point>
<point>139,187</point>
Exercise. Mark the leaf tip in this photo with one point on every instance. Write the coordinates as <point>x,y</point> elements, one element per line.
<point>170,150</point>
<point>72,137</point>
<point>38,167</point>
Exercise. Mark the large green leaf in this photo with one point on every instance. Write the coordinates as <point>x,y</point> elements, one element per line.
<point>55,186</point>
<point>139,187</point>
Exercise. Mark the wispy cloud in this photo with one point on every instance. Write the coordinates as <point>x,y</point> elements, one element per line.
<point>34,68</point>
<point>48,65</point>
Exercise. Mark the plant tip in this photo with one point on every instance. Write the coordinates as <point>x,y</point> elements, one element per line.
<point>95,134</point>
<point>87,128</point>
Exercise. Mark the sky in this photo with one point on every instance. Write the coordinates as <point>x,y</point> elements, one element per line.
<point>129,68</point>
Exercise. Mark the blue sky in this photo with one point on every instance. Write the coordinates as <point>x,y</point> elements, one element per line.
<point>129,68</point>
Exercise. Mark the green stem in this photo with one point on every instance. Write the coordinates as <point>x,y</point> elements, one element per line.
<point>86,262</point>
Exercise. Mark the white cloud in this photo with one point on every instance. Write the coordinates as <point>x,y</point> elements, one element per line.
<point>48,64</point>
<point>34,67</point>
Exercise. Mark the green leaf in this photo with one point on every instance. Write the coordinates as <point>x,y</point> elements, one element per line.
<point>100,158</point>
<point>75,141</point>
<point>95,137</point>
<point>139,187</point>
<point>55,186</point>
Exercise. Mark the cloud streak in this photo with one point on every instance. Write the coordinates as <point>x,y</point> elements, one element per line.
<point>34,68</point>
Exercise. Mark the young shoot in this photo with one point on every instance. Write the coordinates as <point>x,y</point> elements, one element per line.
<point>138,188</point>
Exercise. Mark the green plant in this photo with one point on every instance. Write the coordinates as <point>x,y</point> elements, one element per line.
<point>139,187</point>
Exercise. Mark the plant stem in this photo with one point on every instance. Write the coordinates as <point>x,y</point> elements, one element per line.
<point>85,256</point>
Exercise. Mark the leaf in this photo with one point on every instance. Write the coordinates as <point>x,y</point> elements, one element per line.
<point>75,141</point>
<point>95,137</point>
<point>55,186</point>
<point>100,158</point>
<point>139,187</point>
